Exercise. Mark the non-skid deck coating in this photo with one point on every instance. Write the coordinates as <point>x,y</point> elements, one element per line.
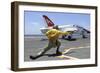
<point>79,49</point>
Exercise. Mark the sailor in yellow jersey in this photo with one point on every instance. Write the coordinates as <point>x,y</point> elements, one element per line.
<point>53,35</point>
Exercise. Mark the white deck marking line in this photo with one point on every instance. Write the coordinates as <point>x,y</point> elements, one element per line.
<point>67,57</point>
<point>67,50</point>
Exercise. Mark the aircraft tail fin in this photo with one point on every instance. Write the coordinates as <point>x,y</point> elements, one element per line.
<point>48,21</point>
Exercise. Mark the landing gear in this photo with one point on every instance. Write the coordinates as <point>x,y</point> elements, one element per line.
<point>69,37</point>
<point>83,34</point>
<point>64,36</point>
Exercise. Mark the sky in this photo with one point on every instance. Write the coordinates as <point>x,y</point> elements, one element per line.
<point>33,20</point>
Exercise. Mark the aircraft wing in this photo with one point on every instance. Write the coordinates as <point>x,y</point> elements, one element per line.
<point>83,29</point>
<point>66,28</point>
